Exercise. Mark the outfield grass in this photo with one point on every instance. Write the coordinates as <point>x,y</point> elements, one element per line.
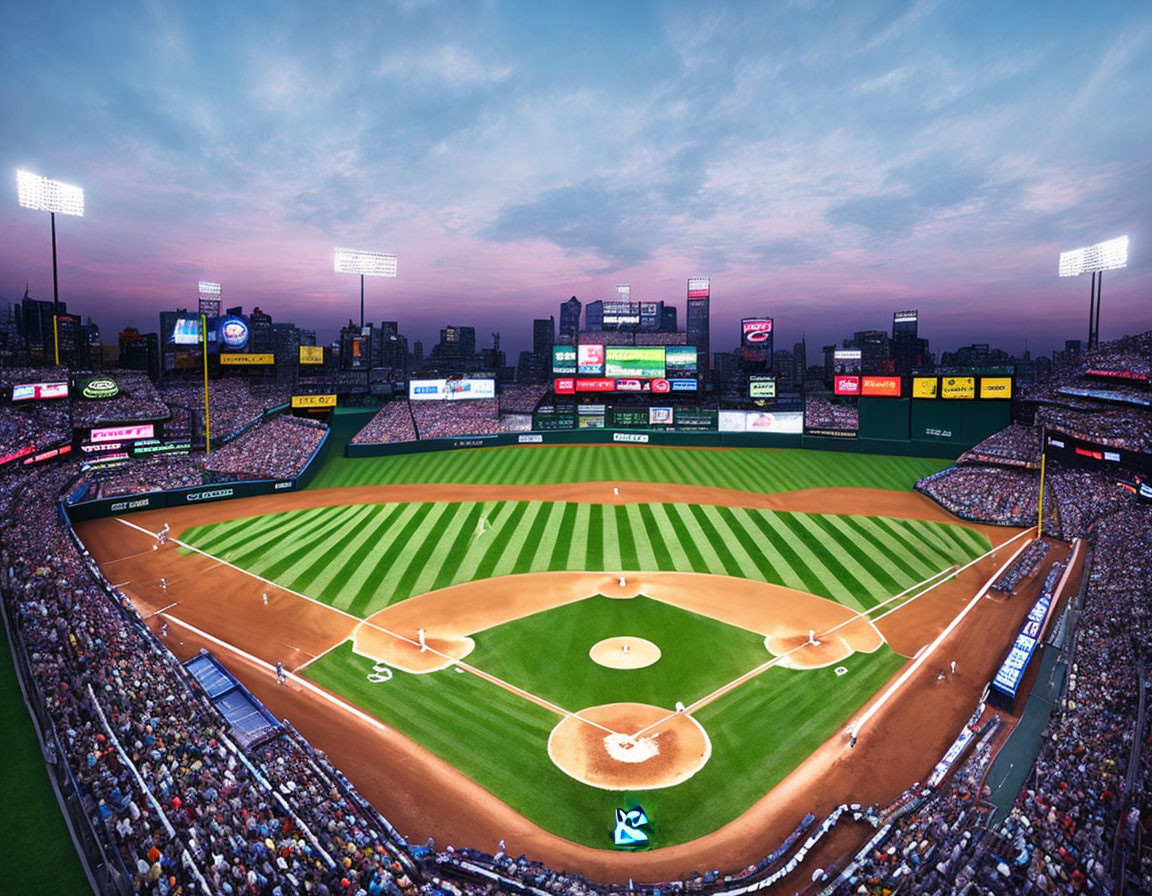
<point>361,558</point>
<point>547,653</point>
<point>759,733</point>
<point>746,469</point>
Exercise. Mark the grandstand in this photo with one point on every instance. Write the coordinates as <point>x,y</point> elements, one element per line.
<point>176,779</point>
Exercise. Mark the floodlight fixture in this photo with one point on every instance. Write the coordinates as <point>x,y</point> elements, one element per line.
<point>1095,260</point>
<point>366,264</point>
<point>46,195</point>
<point>209,289</point>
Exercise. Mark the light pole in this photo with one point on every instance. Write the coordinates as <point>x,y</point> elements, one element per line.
<point>44,195</point>
<point>370,264</point>
<point>1106,256</point>
<point>209,294</point>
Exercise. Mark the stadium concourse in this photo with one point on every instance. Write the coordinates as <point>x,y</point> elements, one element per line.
<point>164,797</point>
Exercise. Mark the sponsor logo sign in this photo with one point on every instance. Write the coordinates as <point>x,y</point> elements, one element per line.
<point>311,354</point>
<point>680,359</point>
<point>995,387</point>
<point>683,385</point>
<point>925,387</point>
<point>165,448</point>
<point>646,362</point>
<point>846,385</point>
<point>101,387</point>
<point>235,359</point>
<point>958,387</point>
<point>282,485</point>
<point>1112,456</point>
<point>659,416</point>
<point>16,455</point>
<point>631,385</point>
<point>210,495</point>
<point>883,386</point>
<point>732,421</point>
<point>123,433</point>
<point>756,330</point>
<point>29,391</point>
<point>451,390</point>
<point>699,287</point>
<point>234,331</point>
<point>661,385</point>
<point>531,438</point>
<point>564,385</point>
<point>761,387</point>
<point>130,505</point>
<point>595,385</point>
<point>638,437</point>
<point>590,360</point>
<point>313,401</point>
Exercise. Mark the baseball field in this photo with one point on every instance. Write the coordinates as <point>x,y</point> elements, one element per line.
<point>579,629</point>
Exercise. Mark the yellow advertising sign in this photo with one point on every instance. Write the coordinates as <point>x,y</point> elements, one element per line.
<point>958,387</point>
<point>995,387</point>
<point>925,387</point>
<point>235,359</point>
<point>311,354</point>
<point>313,401</point>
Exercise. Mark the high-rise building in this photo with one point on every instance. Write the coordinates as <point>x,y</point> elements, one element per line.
<point>668,319</point>
<point>874,352</point>
<point>569,320</point>
<point>594,317</point>
<point>260,331</point>
<point>543,336</point>
<point>696,327</point>
<point>904,322</point>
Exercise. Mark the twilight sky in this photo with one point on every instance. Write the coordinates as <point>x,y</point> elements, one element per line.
<point>823,163</point>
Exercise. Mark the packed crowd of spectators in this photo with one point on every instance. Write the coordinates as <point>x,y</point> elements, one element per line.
<point>520,399</point>
<point>1014,446</point>
<point>277,449</point>
<point>139,476</point>
<point>447,419</point>
<point>234,404</point>
<point>1023,567</point>
<point>1083,496</point>
<point>1128,354</point>
<point>999,495</point>
<point>37,425</point>
<point>136,400</point>
<point>1129,429</point>
<point>392,423</point>
<point>826,413</point>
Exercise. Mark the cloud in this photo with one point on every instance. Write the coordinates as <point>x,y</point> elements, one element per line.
<point>447,66</point>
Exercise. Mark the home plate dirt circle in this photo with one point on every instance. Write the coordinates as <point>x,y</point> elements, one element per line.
<point>624,652</point>
<point>629,746</point>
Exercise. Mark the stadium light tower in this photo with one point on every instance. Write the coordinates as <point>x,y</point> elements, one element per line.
<point>1106,256</point>
<point>44,195</point>
<point>366,264</point>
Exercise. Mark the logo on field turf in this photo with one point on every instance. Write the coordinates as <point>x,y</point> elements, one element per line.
<point>379,674</point>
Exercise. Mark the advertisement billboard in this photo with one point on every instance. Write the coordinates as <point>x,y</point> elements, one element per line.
<point>680,360</point>
<point>39,391</point>
<point>186,331</point>
<point>684,385</point>
<point>236,359</point>
<point>595,385</point>
<point>97,387</point>
<point>880,386</point>
<point>311,354</point>
<point>234,331</point>
<point>638,361</point>
<point>756,331</point>
<point>846,385</point>
<point>451,390</point>
<point>698,287</point>
<point>846,360</point>
<point>563,360</point>
<point>122,433</point>
<point>313,401</point>
<point>775,421</point>
<point>732,421</point>
<point>958,387</point>
<point>995,387</point>
<point>659,416</point>
<point>589,360</point>
<point>621,314</point>
<point>761,386</point>
<point>925,387</point>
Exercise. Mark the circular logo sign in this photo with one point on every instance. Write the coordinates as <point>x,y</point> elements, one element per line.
<point>234,331</point>
<point>661,386</point>
<point>101,388</point>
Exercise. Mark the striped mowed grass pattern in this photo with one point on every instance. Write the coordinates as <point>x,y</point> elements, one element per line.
<point>745,469</point>
<point>360,558</point>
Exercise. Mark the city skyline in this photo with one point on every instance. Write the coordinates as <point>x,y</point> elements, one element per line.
<point>824,166</point>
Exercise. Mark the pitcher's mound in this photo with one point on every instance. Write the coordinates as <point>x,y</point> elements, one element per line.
<point>629,746</point>
<point>624,653</point>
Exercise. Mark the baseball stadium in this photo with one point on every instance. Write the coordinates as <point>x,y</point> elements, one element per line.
<point>465,641</point>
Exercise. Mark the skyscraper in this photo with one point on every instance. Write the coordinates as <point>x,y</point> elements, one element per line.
<point>569,320</point>
<point>696,325</point>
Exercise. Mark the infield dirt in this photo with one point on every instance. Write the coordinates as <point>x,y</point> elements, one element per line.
<point>424,796</point>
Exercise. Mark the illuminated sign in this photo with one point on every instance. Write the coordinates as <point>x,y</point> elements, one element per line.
<point>698,287</point>
<point>595,385</point>
<point>451,390</point>
<point>683,385</point>
<point>638,361</point>
<point>904,317</point>
<point>925,387</point>
<point>958,387</point>
<point>659,416</point>
<point>311,354</point>
<point>846,385</point>
<point>885,386</point>
<point>995,387</point>
<point>234,331</point>
<point>563,359</point>
<point>28,391</point>
<point>313,401</point>
<point>756,330</point>
<point>236,359</point>
<point>846,354</point>
<point>590,360</point>
<point>123,433</point>
<point>100,388</point>
<point>186,331</point>
<point>761,387</point>
<point>680,359</point>
<point>564,385</point>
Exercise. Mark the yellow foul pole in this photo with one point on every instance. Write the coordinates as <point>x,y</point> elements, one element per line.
<point>1040,515</point>
<point>56,336</point>
<point>207,429</point>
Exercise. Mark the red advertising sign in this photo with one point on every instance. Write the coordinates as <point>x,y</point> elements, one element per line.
<point>755,330</point>
<point>564,385</point>
<point>886,386</point>
<point>846,385</point>
<point>630,385</point>
<point>698,287</point>
<point>590,359</point>
<point>16,455</point>
<point>661,385</point>
<point>122,433</point>
<point>595,385</point>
